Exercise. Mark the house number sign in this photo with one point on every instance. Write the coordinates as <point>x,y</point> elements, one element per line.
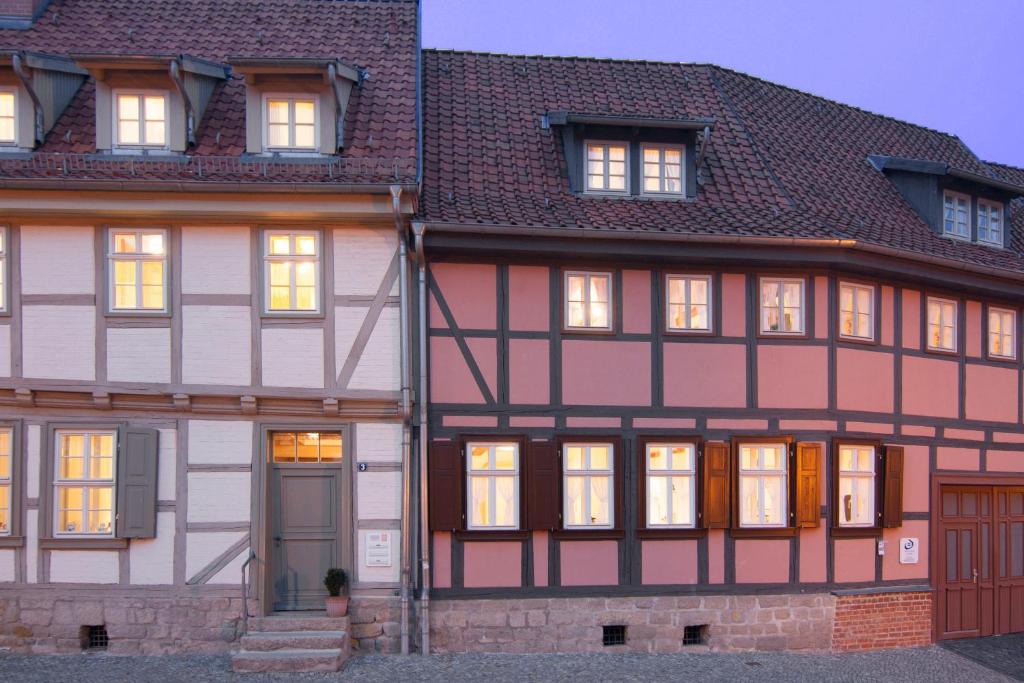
<point>378,549</point>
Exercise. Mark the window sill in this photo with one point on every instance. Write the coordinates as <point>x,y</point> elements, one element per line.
<point>292,315</point>
<point>781,532</point>
<point>12,541</point>
<point>84,543</point>
<point>856,532</point>
<point>653,534</point>
<point>587,534</point>
<point>860,341</point>
<point>492,535</point>
<point>942,352</point>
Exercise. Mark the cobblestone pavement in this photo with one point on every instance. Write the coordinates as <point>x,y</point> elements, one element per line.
<point>930,664</point>
<point>1002,653</point>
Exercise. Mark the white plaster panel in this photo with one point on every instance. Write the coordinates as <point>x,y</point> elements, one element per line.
<point>5,350</point>
<point>347,321</point>
<point>151,560</point>
<point>218,497</point>
<point>58,260</point>
<point>83,566</point>
<point>361,259</point>
<point>217,345</point>
<point>59,342</point>
<point>141,354</point>
<point>202,548</point>
<point>32,441</point>
<point>379,495</point>
<point>379,365</point>
<point>232,571</point>
<point>220,442</point>
<point>166,463</point>
<point>378,574</point>
<point>293,358</point>
<point>377,442</point>
<point>7,560</point>
<point>215,260</point>
<point>32,546</point>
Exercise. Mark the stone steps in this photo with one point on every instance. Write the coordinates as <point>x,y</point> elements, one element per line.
<point>293,643</point>
<point>317,621</point>
<point>287,661</point>
<point>263,641</point>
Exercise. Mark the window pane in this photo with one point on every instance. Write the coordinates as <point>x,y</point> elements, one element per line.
<point>330,446</point>
<point>101,468</point>
<point>305,136</point>
<point>72,467</point>
<point>283,446</point>
<point>305,298</point>
<point>154,132</point>
<point>699,291</point>
<point>698,317</point>
<point>617,153</point>
<point>773,503</point>
<point>651,156</point>
<point>7,129</point>
<point>128,108</point>
<point>280,273</point>
<point>599,457</point>
<point>5,467</point>
<point>682,458</point>
<point>505,504</point>
<point>5,509</point>
<point>305,274</point>
<point>657,458</point>
<point>277,112</point>
<point>681,498</point>
<point>280,298</point>
<point>124,243</point>
<point>657,497</point>
<point>128,133</point>
<point>598,315</point>
<point>574,458</point>
<point>305,244</point>
<point>308,446</point>
<point>277,135</point>
<point>574,500</point>
<point>7,104</point>
<point>599,289</point>
<point>652,185</point>
<point>152,272</point>
<point>599,503</point>
<point>505,458</point>
<point>124,272</point>
<point>773,458</point>
<point>575,287</point>
<point>69,505</point>
<point>479,458</point>
<point>280,245</point>
<point>845,459</point>
<point>595,152</point>
<point>748,458</point>
<point>154,108</point>
<point>305,111</point>
<point>616,183</point>
<point>153,243</point>
<point>749,501</point>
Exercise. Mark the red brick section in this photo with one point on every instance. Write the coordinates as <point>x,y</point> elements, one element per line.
<point>875,622</point>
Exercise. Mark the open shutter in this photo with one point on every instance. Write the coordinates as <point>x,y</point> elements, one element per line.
<point>717,473</point>
<point>136,482</point>
<point>808,484</point>
<point>444,471</point>
<point>542,486</point>
<point>892,496</point>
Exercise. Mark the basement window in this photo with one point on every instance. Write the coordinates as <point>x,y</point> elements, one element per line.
<point>613,635</point>
<point>695,635</point>
<point>94,638</point>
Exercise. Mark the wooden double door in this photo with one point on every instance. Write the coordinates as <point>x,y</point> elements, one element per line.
<point>980,561</point>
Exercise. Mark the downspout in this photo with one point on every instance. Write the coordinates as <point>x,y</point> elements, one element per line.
<point>419,230</point>
<point>406,412</point>
<point>37,108</point>
<point>190,114</point>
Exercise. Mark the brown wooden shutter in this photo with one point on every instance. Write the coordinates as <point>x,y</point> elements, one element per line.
<point>136,482</point>
<point>808,484</point>
<point>543,508</point>
<point>892,496</point>
<point>444,472</point>
<point>717,474</point>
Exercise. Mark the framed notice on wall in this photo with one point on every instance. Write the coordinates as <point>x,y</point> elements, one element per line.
<point>908,551</point>
<point>378,549</point>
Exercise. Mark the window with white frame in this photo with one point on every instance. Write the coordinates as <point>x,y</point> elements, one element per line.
<point>140,119</point>
<point>588,300</point>
<point>138,269</point>
<point>663,169</point>
<point>857,485</point>
<point>3,270</point>
<point>607,167</point>
<point>1002,333</point>
<point>292,271</point>
<point>990,222</point>
<point>941,324</point>
<point>671,485</point>
<point>689,303</point>
<point>588,475</point>
<point>291,122</point>
<point>6,480</point>
<point>856,311</point>
<point>306,447</point>
<point>782,305</point>
<point>763,487</point>
<point>8,116</point>
<point>492,485</point>
<point>956,215</point>
<point>83,482</point>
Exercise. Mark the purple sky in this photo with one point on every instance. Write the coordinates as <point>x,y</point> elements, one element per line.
<point>951,65</point>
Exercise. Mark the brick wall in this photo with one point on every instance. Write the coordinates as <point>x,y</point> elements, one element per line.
<point>872,622</point>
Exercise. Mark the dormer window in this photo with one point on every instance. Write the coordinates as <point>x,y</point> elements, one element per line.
<point>292,123</point>
<point>8,116</point>
<point>663,169</point>
<point>607,167</point>
<point>956,215</point>
<point>990,222</point>
<point>141,119</point>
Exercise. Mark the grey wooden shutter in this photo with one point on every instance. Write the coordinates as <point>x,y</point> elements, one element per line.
<point>136,482</point>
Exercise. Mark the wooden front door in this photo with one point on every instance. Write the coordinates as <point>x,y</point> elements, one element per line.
<point>1009,559</point>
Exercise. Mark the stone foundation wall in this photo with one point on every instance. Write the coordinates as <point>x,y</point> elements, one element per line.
<point>376,625</point>
<point>872,622</point>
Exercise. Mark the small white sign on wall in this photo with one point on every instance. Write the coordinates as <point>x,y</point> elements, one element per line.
<point>908,551</point>
<point>378,549</point>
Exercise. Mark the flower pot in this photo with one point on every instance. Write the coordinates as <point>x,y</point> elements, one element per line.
<point>337,605</point>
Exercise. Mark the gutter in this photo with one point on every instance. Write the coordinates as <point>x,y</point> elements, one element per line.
<point>190,113</point>
<point>39,132</point>
<point>419,230</point>
<point>282,187</point>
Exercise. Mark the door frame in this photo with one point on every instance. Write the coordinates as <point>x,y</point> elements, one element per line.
<point>261,527</point>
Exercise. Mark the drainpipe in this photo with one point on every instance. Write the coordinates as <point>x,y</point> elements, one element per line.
<point>406,412</point>
<point>419,230</point>
<point>37,108</point>
<point>190,114</point>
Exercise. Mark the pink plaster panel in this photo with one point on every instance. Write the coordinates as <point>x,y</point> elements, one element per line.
<point>615,422</point>
<point>589,563</point>
<point>726,423</point>
<point>706,375</point>
<point>808,425</point>
<point>442,557</point>
<point>485,353</point>
<point>949,458</point>
<point>437,320</point>
<point>1004,461</point>
<point>528,298</point>
<point>664,422</point>
<point>854,560</point>
<point>916,478</point>
<point>931,386</point>
<point>636,301</point>
<point>450,378</point>
<point>870,427</point>
<point>493,563</point>
<point>716,556</point>
<point>1008,437</point>
<point>972,329</point>
<point>668,562</point>
<point>968,434</point>
<point>911,319</point>
<point>469,421</point>
<point>606,373</point>
<point>792,376</point>
<point>734,307</point>
<point>530,421</point>
<point>821,307</point>
<point>888,311</point>
<point>529,372</point>
<point>762,561</point>
<point>917,430</point>
<point>891,567</point>
<point>540,558</point>
<point>864,380</point>
<point>813,556</point>
<point>992,393</point>
<point>470,290</point>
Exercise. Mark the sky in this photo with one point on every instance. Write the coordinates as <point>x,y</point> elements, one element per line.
<point>953,65</point>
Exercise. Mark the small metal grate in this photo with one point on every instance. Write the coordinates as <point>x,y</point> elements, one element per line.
<point>613,635</point>
<point>695,635</point>
<point>95,638</point>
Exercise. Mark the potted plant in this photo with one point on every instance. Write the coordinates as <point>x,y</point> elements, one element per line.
<point>335,582</point>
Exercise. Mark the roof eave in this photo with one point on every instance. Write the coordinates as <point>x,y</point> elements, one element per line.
<point>563,118</point>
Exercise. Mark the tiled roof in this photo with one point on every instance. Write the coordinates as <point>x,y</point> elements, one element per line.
<point>780,162</point>
<point>377,35</point>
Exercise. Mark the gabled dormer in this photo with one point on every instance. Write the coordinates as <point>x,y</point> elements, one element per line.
<point>35,88</point>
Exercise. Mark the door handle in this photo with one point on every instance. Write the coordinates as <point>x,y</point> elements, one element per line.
<point>975,576</point>
<point>277,540</point>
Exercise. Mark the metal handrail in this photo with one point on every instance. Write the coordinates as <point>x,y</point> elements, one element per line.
<point>245,592</point>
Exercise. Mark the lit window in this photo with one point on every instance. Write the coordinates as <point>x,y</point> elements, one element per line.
<point>141,120</point>
<point>8,117</point>
<point>856,486</point>
<point>292,271</point>
<point>492,485</point>
<point>291,123</point>
<point>6,480</point>
<point>663,169</point>
<point>3,270</point>
<point>588,300</point>
<point>607,167</point>
<point>587,480</point>
<point>689,307</point>
<point>856,311</point>
<point>941,324</point>
<point>762,485</point>
<point>671,475</point>
<point>782,306</point>
<point>306,447</point>
<point>956,215</point>
<point>84,483</point>
<point>138,270</point>
<point>990,222</point>
<point>1002,333</point>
